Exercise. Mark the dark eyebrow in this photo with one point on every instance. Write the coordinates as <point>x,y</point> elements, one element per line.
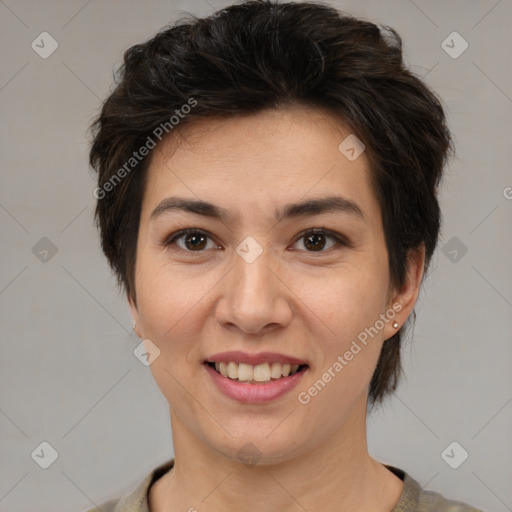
<point>321,205</point>
<point>190,205</point>
<point>301,209</point>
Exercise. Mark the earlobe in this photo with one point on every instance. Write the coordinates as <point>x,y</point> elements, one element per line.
<point>135,315</point>
<point>405,298</point>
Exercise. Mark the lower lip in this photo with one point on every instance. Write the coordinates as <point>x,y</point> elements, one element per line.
<point>255,393</point>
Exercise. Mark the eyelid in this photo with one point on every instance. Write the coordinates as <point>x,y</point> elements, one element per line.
<point>182,232</point>
<point>340,240</point>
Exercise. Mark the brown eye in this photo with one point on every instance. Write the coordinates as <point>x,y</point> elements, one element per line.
<point>321,240</point>
<point>314,242</point>
<point>195,241</point>
<point>191,240</point>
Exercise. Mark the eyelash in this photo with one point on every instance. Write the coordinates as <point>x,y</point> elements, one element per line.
<point>340,240</point>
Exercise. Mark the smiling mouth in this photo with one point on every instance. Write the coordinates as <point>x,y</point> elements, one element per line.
<point>255,374</point>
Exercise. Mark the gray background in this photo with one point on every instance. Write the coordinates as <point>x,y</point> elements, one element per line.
<point>68,375</point>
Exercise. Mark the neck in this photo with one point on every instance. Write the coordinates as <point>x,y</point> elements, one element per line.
<point>334,474</point>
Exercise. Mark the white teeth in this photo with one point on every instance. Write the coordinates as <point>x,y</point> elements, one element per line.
<point>232,370</point>
<point>275,370</point>
<point>245,372</point>
<point>264,372</point>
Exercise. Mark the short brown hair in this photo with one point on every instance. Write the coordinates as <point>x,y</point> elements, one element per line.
<point>262,55</point>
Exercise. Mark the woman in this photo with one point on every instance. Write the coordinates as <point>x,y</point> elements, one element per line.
<point>267,197</point>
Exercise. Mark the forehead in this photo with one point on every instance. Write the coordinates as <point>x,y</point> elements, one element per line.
<point>259,161</point>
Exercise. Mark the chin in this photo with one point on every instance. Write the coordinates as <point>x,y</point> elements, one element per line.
<point>260,449</point>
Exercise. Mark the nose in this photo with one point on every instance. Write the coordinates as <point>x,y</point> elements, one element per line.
<point>254,297</point>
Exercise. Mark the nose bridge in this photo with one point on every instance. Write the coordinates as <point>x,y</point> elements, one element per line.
<point>252,278</point>
<point>254,297</point>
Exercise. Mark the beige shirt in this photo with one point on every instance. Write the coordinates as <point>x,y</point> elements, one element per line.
<point>412,499</point>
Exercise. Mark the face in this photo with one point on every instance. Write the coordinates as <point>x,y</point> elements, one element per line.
<point>288,256</point>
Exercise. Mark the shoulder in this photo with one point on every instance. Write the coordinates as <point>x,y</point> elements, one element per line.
<point>108,506</point>
<point>137,499</point>
<point>134,501</point>
<point>430,501</point>
<point>415,499</point>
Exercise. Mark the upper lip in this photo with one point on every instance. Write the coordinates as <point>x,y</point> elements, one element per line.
<point>253,359</point>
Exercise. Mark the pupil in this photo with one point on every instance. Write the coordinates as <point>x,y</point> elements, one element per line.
<point>195,241</point>
<point>198,241</point>
<point>317,242</point>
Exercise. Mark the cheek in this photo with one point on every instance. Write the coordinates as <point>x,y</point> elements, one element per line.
<point>350,304</point>
<point>168,296</point>
<point>169,303</point>
<point>348,300</point>
<point>349,356</point>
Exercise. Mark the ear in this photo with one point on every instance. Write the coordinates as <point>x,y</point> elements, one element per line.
<point>135,315</point>
<point>404,299</point>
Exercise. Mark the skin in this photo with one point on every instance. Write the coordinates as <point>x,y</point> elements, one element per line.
<point>294,300</point>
